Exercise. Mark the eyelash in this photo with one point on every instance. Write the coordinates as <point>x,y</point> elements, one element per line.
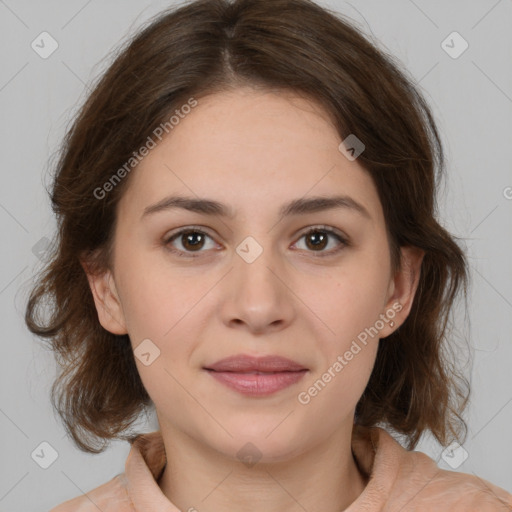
<point>315,229</point>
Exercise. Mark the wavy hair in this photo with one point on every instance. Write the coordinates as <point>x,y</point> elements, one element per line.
<point>208,46</point>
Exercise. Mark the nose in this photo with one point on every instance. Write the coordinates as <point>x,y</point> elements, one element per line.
<point>257,293</point>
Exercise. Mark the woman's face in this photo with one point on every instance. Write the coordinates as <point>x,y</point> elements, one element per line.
<point>253,283</point>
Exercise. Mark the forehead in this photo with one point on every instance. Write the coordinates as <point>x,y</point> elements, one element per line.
<point>250,150</point>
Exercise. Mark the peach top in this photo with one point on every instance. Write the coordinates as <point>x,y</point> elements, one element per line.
<point>398,480</point>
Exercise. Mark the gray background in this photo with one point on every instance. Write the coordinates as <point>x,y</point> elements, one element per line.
<point>471,97</point>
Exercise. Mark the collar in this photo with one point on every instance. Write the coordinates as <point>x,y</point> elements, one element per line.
<point>378,455</point>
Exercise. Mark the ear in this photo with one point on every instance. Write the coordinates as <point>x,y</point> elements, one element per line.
<point>402,288</point>
<point>106,299</point>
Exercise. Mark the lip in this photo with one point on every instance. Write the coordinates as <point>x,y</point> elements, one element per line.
<point>258,384</point>
<point>246,363</point>
<point>256,376</point>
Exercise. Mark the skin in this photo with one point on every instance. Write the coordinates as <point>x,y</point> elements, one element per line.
<point>253,151</point>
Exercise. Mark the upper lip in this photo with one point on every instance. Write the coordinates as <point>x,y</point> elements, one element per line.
<point>246,363</point>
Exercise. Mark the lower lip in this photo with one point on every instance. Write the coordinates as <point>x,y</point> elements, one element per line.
<point>254,384</point>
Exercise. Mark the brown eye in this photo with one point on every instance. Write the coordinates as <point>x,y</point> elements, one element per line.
<point>317,239</point>
<point>194,240</point>
<point>191,241</point>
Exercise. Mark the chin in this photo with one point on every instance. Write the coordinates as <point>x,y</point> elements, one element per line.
<point>268,441</point>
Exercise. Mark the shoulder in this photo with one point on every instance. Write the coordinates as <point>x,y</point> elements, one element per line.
<point>466,492</point>
<point>451,491</point>
<point>414,481</point>
<point>109,497</point>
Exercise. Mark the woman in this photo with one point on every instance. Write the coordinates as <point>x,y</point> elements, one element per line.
<point>248,241</point>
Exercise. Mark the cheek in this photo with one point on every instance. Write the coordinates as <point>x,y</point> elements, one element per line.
<point>348,306</point>
<point>155,301</point>
<point>353,297</point>
<point>346,351</point>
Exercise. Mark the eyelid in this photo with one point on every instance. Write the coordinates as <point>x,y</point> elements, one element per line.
<point>328,229</point>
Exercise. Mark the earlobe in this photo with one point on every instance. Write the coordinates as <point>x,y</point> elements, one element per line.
<point>106,299</point>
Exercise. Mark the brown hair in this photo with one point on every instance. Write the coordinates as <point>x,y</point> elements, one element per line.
<point>211,46</point>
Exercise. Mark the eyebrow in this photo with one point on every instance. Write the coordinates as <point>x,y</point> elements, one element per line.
<point>300,206</point>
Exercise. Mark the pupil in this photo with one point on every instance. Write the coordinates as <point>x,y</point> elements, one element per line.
<point>318,239</point>
<point>189,239</point>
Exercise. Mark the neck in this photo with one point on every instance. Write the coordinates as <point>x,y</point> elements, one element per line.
<point>197,477</point>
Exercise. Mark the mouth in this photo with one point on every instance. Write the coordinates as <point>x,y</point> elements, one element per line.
<point>256,376</point>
